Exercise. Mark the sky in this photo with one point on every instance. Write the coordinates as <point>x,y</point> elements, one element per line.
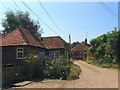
<point>79,19</point>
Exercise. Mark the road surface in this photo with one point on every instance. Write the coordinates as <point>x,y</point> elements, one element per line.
<point>90,77</point>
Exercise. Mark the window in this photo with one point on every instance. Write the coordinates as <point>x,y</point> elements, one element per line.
<point>42,54</point>
<point>57,54</point>
<point>19,53</point>
<point>54,54</point>
<point>51,53</point>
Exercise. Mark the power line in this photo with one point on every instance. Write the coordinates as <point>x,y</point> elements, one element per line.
<point>51,18</point>
<point>39,18</point>
<point>4,6</point>
<point>16,5</point>
<point>108,9</point>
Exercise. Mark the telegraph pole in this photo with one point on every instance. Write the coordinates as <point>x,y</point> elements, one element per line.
<point>70,46</point>
<point>86,34</point>
<point>69,39</point>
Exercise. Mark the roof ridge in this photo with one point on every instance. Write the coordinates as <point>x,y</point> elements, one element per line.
<point>40,41</point>
<point>24,37</point>
<point>8,33</point>
<point>55,37</point>
<point>45,45</point>
<point>50,36</point>
<point>34,37</point>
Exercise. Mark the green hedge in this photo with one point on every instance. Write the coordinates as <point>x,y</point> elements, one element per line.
<point>59,68</point>
<point>74,72</point>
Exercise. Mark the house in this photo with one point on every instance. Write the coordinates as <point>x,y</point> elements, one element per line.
<point>56,46</point>
<point>18,44</point>
<point>78,50</point>
<point>15,46</point>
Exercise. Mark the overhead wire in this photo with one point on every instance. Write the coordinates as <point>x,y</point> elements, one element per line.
<point>3,5</point>
<point>51,18</point>
<point>108,9</point>
<point>39,17</point>
<point>16,4</point>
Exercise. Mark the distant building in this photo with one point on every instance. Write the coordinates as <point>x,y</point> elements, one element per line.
<point>78,50</point>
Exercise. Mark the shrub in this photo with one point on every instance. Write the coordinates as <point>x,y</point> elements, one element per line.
<point>57,68</point>
<point>90,61</point>
<point>33,67</point>
<point>74,73</point>
<point>106,65</point>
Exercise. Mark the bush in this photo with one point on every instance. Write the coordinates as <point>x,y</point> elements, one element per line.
<point>105,50</point>
<point>57,68</point>
<point>74,73</point>
<point>33,67</point>
<point>90,61</point>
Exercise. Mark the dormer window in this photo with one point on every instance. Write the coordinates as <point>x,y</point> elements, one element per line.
<point>19,53</point>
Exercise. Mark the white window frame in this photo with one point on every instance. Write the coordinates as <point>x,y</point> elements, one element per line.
<point>53,53</point>
<point>56,52</point>
<point>17,51</point>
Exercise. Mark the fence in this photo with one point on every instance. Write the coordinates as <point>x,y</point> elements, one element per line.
<point>11,74</point>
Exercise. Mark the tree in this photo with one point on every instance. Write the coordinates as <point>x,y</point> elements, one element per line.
<point>105,48</point>
<point>19,19</point>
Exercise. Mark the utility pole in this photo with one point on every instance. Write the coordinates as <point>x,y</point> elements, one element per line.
<point>86,37</point>
<point>70,46</point>
<point>69,39</point>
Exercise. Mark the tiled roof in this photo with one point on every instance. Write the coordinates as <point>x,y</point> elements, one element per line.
<point>79,47</point>
<point>54,42</point>
<point>20,37</point>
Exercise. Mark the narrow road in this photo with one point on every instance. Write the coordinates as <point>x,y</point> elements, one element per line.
<point>95,77</point>
<point>91,77</point>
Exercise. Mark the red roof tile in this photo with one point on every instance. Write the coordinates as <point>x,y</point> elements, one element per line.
<point>79,47</point>
<point>54,42</point>
<point>20,37</point>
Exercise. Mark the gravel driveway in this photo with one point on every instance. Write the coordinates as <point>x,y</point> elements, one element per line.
<point>95,77</point>
<point>91,77</point>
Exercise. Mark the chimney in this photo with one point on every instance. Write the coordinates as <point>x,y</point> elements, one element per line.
<point>31,24</point>
<point>86,41</point>
<point>39,36</point>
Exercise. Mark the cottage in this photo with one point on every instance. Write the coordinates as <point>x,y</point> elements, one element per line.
<point>56,46</point>
<point>18,44</point>
<point>78,50</point>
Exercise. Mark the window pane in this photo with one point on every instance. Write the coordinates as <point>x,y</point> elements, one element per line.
<point>19,53</point>
<point>20,49</point>
<point>42,54</point>
<point>51,53</point>
<point>57,53</point>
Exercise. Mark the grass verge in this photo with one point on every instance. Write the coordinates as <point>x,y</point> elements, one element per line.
<point>103,65</point>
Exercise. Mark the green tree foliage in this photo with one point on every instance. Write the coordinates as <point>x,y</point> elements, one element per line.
<point>18,19</point>
<point>105,48</point>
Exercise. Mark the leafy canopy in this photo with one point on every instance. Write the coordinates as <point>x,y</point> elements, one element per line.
<point>18,19</point>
